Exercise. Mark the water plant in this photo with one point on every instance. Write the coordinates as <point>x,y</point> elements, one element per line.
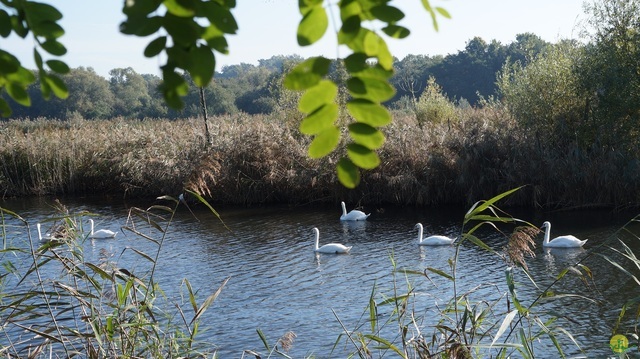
<point>63,304</point>
<point>470,324</point>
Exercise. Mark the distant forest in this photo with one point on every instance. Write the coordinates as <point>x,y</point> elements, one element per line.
<point>464,78</point>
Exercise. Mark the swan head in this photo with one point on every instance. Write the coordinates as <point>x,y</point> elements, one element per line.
<point>546,224</point>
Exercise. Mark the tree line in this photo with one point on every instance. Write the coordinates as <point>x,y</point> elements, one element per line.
<point>258,89</point>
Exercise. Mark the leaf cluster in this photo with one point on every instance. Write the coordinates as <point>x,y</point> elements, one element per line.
<point>369,67</point>
<point>41,21</point>
<point>189,31</point>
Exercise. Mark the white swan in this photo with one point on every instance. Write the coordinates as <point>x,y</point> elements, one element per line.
<point>330,247</point>
<point>435,240</point>
<point>567,241</point>
<point>46,237</point>
<point>354,215</point>
<point>101,233</point>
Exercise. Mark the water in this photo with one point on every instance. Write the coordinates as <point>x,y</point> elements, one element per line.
<point>278,284</point>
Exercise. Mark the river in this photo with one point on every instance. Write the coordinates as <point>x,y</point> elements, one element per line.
<point>276,283</point>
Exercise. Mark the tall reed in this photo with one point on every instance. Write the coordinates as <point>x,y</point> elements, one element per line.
<point>61,305</point>
<point>262,159</point>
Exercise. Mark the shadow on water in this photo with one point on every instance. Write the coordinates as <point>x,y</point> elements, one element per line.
<point>278,284</point>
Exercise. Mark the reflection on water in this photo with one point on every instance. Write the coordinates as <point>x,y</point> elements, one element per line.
<point>278,284</point>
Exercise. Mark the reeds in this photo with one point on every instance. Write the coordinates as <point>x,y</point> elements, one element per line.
<point>262,159</point>
<point>77,308</point>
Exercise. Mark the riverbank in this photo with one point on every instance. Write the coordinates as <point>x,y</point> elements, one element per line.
<point>262,159</point>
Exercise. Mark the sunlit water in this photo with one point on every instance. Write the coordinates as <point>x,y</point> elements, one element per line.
<point>278,284</point>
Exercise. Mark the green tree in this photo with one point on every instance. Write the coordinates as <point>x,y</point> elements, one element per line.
<point>610,72</point>
<point>131,96</point>
<point>544,96</point>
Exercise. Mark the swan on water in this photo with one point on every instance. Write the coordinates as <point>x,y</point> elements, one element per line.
<point>46,237</point>
<point>435,240</point>
<point>567,241</point>
<point>354,215</point>
<point>101,233</point>
<point>330,247</point>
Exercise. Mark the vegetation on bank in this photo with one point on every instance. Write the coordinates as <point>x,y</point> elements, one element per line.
<point>263,159</point>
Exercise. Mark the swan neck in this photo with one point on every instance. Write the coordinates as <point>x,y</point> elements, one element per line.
<point>91,221</point>
<point>547,234</point>
<point>317,239</point>
<point>344,209</point>
<point>39,232</point>
<point>420,230</point>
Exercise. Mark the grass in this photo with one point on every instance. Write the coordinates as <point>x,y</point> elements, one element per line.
<point>262,159</point>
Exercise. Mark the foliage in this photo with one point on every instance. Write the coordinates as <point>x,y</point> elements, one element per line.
<point>610,73</point>
<point>41,21</point>
<point>123,312</point>
<point>544,96</point>
<point>433,106</point>
<point>369,65</point>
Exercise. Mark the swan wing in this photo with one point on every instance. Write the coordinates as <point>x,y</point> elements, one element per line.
<point>334,248</point>
<point>436,240</point>
<point>566,242</point>
<point>104,233</point>
<point>354,215</point>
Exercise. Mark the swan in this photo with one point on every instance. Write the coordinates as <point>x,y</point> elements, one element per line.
<point>435,240</point>
<point>46,237</point>
<point>567,241</point>
<point>101,233</point>
<point>354,215</point>
<point>330,247</point>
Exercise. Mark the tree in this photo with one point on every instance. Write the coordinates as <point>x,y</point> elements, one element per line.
<point>188,32</point>
<point>610,72</point>
<point>131,96</point>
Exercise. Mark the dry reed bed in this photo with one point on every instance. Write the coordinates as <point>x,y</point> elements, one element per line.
<point>260,159</point>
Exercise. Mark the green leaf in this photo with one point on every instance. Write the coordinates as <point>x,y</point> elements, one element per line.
<point>349,30</point>
<point>57,86</point>
<point>202,65</point>
<point>443,12</point>
<point>18,26</point>
<point>312,26</point>
<point>370,88</point>
<point>386,13</point>
<point>38,12</point>
<point>320,120</point>
<point>307,5</point>
<point>366,135</point>
<point>356,62</point>
<point>322,93</point>
<point>58,66</point>
<point>155,47</point>
<point>5,23</point>
<point>221,17</point>
<point>348,173</point>
<point>324,142</point>
<point>173,87</point>
<point>307,73</point>
<point>38,59</point>
<point>18,93</point>
<point>140,7</point>
<point>362,156</point>
<point>47,29</point>
<point>184,31</point>
<point>369,112</point>
<point>180,8</point>
<point>427,6</point>
<point>141,25</point>
<point>54,47</point>
<point>5,110</point>
<point>397,32</point>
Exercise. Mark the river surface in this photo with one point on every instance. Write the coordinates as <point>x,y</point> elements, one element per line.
<point>276,283</point>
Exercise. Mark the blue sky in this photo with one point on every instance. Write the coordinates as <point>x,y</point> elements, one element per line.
<point>268,27</point>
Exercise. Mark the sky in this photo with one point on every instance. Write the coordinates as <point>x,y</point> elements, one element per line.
<point>268,28</point>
